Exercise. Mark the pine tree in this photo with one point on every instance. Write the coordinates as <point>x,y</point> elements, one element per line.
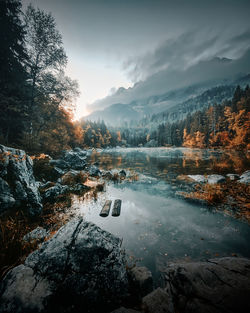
<point>13,74</point>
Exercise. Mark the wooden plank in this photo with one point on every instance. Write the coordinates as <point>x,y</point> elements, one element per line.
<point>117,207</point>
<point>106,208</point>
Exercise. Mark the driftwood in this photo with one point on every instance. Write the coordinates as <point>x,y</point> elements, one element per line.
<point>106,208</point>
<point>117,207</point>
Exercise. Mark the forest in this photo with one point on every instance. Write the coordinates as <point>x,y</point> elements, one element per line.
<point>220,125</point>
<point>37,99</point>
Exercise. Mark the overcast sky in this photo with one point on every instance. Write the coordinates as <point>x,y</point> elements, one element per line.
<point>114,43</point>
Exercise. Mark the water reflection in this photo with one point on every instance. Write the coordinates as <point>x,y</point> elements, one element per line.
<point>170,162</point>
<point>157,227</point>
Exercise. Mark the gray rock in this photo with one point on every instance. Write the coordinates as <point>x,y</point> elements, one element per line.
<point>245,178</point>
<point>53,192</point>
<point>211,179</point>
<point>19,186</point>
<point>141,280</point>
<point>198,178</point>
<point>218,285</point>
<point>79,188</point>
<point>124,310</point>
<point>215,179</point>
<point>6,197</point>
<point>75,159</point>
<point>233,176</point>
<point>80,269</point>
<point>158,301</point>
<point>107,174</point>
<point>80,151</point>
<point>94,171</point>
<point>38,233</point>
<point>122,173</point>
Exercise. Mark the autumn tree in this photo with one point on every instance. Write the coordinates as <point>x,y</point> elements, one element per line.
<point>45,49</point>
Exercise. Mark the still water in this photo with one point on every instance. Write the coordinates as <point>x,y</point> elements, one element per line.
<point>157,226</point>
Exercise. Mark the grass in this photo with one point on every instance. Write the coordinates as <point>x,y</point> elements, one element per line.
<point>231,196</point>
<point>13,249</point>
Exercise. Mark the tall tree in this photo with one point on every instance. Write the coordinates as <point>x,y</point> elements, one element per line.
<point>45,49</point>
<point>12,73</point>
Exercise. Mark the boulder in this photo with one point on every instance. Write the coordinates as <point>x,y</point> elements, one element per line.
<point>198,178</point>
<point>53,192</point>
<point>94,171</point>
<point>218,285</point>
<point>79,188</point>
<point>76,159</point>
<point>107,174</point>
<point>158,301</point>
<point>80,269</point>
<point>141,280</point>
<point>215,179</point>
<point>245,178</point>
<point>233,176</point>
<point>18,185</point>
<point>210,179</point>
<point>122,174</point>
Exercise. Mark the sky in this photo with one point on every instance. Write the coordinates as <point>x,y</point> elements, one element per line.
<point>134,43</point>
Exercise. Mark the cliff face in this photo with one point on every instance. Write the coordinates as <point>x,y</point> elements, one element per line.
<point>17,183</point>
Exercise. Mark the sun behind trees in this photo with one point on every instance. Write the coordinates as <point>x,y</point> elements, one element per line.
<point>37,99</point>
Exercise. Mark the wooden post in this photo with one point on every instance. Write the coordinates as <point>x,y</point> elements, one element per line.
<point>106,208</point>
<point>117,207</point>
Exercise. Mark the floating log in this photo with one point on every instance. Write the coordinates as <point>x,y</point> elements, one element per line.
<point>117,207</point>
<point>106,208</point>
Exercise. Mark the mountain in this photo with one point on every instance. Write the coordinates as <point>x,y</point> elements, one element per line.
<point>171,106</point>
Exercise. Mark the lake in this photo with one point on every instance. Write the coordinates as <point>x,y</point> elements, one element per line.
<point>156,225</point>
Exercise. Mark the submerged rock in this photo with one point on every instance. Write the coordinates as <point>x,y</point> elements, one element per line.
<point>158,301</point>
<point>218,285</point>
<point>17,185</point>
<point>81,269</point>
<point>141,281</point>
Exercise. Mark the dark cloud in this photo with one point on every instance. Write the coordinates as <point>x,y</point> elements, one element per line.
<point>216,70</point>
<point>160,43</point>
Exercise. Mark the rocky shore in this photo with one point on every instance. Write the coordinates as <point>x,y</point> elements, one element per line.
<point>82,268</point>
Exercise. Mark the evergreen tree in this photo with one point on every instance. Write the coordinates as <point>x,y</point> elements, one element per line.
<point>12,75</point>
